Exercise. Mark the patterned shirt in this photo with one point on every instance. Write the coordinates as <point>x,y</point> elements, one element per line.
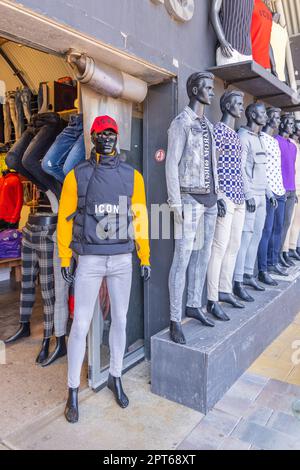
<point>274,173</point>
<point>236,18</point>
<point>230,163</point>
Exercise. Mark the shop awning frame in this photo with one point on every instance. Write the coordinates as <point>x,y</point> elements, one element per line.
<point>253,79</point>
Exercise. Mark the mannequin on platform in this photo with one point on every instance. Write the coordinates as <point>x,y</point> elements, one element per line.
<point>230,221</point>
<point>256,191</point>
<point>192,184</point>
<point>288,167</point>
<point>231,20</point>
<point>291,241</point>
<point>269,247</point>
<point>101,198</point>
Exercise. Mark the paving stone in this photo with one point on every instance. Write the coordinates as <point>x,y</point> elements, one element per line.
<point>263,437</point>
<point>258,414</point>
<point>276,401</point>
<point>285,423</point>
<point>229,443</point>
<point>205,435</point>
<point>233,405</point>
<point>223,422</point>
<point>246,388</point>
<point>200,445</point>
<point>276,386</point>
<point>259,379</point>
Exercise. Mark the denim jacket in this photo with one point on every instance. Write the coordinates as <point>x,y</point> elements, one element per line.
<point>254,161</point>
<point>185,166</point>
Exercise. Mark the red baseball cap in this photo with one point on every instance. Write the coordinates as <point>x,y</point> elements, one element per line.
<point>101,123</point>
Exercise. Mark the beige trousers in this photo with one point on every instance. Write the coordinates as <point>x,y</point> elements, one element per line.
<point>291,241</point>
<point>225,248</point>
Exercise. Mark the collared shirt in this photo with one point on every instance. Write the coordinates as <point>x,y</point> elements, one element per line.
<point>229,148</point>
<point>274,173</point>
<point>288,161</point>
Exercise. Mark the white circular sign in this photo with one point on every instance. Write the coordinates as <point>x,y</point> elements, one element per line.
<point>181,10</point>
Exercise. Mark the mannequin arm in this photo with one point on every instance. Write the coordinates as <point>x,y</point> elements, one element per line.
<point>176,143</point>
<point>67,206</point>
<point>226,48</point>
<point>245,152</point>
<point>273,63</point>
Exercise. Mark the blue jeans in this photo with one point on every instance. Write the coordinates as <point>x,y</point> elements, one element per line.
<point>191,256</point>
<point>269,246</point>
<point>67,151</point>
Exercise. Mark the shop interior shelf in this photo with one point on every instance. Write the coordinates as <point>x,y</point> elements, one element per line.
<point>251,78</point>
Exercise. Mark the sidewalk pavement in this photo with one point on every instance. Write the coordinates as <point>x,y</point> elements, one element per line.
<point>256,413</point>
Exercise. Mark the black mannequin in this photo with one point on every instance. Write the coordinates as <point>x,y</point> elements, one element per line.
<point>271,128</point>
<point>234,110</point>
<point>24,329</point>
<point>200,96</point>
<point>256,120</point>
<point>286,129</point>
<point>296,137</point>
<point>105,143</point>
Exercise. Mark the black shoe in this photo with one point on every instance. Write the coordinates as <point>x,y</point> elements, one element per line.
<point>176,332</point>
<point>240,291</point>
<point>115,385</point>
<point>298,250</point>
<point>293,254</point>
<point>216,310</point>
<point>197,314</point>
<point>252,282</point>
<point>278,269</point>
<point>287,259</point>
<point>230,299</point>
<point>282,261</point>
<point>266,279</point>
<point>71,410</point>
<point>23,332</point>
<point>44,352</point>
<point>59,351</point>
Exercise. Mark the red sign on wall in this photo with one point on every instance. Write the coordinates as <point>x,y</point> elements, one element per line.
<point>160,155</point>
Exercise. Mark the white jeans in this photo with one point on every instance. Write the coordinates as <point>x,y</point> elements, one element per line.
<point>89,275</point>
<point>226,244</point>
<point>236,58</point>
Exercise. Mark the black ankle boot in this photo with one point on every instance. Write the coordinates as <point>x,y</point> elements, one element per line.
<point>293,254</point>
<point>71,410</point>
<point>230,299</point>
<point>240,291</point>
<point>282,261</point>
<point>287,259</point>
<point>278,269</point>
<point>44,352</point>
<point>115,385</point>
<point>176,332</point>
<point>59,351</point>
<point>216,310</point>
<point>23,332</point>
<point>250,281</point>
<point>197,314</point>
<point>266,279</point>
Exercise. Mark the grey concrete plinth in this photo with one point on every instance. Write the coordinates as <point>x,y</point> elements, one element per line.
<point>199,373</point>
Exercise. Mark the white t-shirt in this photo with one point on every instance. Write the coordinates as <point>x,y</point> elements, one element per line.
<point>279,42</point>
<point>274,173</point>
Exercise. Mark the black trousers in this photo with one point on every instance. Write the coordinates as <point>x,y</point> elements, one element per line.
<point>26,154</point>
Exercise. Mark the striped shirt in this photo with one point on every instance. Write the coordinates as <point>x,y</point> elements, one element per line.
<point>236,18</point>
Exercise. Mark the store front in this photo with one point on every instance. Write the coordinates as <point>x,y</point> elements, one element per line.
<point>33,55</point>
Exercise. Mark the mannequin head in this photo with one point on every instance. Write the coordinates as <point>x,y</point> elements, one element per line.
<point>273,118</point>
<point>256,114</point>
<point>200,88</point>
<point>297,130</point>
<point>232,103</point>
<point>287,124</point>
<point>104,135</point>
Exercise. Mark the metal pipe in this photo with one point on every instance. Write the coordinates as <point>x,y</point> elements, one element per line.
<point>16,72</point>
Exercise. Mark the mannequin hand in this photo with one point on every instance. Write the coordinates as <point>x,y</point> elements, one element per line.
<point>274,202</point>
<point>222,209</point>
<point>296,200</point>
<point>178,214</point>
<point>68,277</point>
<point>250,204</point>
<point>227,49</point>
<point>146,272</point>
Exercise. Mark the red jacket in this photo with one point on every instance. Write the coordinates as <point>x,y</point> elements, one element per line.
<point>11,198</point>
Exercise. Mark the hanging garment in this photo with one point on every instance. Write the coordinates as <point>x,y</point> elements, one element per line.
<point>261,29</point>
<point>11,198</point>
<point>26,102</point>
<point>7,122</point>
<point>279,42</point>
<point>37,258</point>
<point>67,151</point>
<point>10,244</point>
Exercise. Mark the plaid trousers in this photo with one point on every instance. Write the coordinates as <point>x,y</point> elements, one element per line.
<point>37,259</point>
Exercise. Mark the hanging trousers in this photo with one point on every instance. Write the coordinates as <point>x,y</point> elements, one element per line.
<point>252,232</point>
<point>291,241</point>
<point>90,272</point>
<point>226,244</point>
<point>37,259</point>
